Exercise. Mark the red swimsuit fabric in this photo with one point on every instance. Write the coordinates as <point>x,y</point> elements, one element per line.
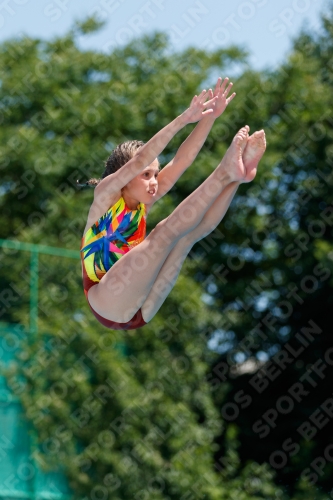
<point>136,322</point>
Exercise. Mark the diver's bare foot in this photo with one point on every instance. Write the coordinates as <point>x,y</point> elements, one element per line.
<point>232,161</point>
<point>255,148</point>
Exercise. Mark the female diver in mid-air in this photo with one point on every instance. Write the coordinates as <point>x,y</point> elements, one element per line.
<point>127,276</point>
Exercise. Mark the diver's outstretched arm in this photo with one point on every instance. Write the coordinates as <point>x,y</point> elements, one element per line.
<point>150,151</point>
<point>190,148</point>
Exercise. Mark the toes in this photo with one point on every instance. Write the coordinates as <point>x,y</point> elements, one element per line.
<point>243,132</point>
<point>258,137</point>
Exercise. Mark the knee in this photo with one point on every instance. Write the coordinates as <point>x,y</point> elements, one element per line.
<point>163,235</point>
<point>163,225</point>
<point>156,242</point>
<point>170,229</point>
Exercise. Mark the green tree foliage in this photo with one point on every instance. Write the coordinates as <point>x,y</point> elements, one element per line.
<point>147,423</point>
<point>125,415</point>
<point>276,297</point>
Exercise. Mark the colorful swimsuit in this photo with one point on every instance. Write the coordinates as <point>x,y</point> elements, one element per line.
<point>113,235</point>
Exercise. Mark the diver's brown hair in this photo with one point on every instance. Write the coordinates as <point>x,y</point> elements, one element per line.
<point>119,157</point>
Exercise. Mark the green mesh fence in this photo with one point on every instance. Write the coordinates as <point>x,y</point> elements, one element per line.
<point>20,474</point>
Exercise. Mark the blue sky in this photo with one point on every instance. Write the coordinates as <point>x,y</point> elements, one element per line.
<point>264,27</point>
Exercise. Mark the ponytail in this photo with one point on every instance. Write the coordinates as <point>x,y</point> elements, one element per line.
<point>91,183</point>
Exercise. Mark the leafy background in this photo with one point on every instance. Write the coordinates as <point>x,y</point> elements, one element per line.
<point>175,415</point>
